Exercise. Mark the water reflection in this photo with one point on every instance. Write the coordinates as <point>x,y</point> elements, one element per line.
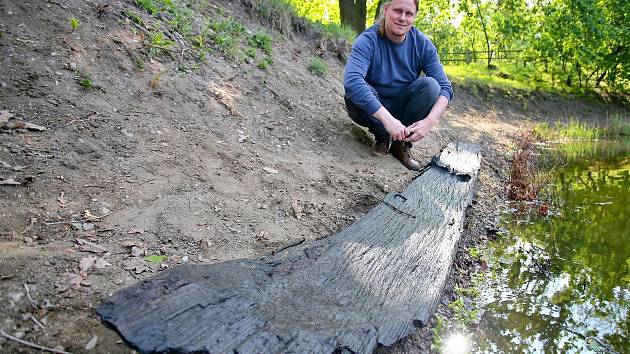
<point>561,279</point>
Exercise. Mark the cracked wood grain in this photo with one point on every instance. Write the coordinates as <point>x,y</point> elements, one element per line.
<point>369,284</point>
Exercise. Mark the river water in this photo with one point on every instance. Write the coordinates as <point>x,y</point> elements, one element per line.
<point>559,274</point>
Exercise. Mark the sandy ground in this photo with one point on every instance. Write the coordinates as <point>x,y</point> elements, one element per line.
<point>222,162</point>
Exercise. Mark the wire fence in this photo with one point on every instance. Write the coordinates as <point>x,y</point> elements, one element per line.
<point>471,56</point>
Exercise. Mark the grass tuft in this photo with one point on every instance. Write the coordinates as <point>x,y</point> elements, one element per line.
<point>573,130</point>
<point>261,40</point>
<point>74,23</point>
<point>317,66</point>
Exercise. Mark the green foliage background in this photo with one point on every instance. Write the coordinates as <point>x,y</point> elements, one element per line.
<point>579,44</point>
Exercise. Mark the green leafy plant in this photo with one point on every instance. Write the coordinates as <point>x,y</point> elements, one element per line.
<point>133,17</point>
<point>261,40</point>
<point>159,43</point>
<point>461,313</point>
<point>250,52</point>
<point>140,64</point>
<point>317,66</point>
<point>155,259</point>
<point>265,63</point>
<point>438,332</point>
<point>74,23</point>
<point>148,6</point>
<point>226,34</point>
<point>84,80</point>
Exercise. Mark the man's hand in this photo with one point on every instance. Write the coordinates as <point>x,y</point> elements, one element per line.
<point>393,126</point>
<point>419,130</point>
<point>395,129</point>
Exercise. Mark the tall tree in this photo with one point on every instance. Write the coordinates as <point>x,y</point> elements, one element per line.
<point>353,13</point>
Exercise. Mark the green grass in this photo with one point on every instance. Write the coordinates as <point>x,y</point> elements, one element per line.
<point>476,74</point>
<point>317,66</point>
<point>148,5</point>
<point>74,23</point>
<point>225,34</point>
<point>265,63</point>
<point>570,131</point>
<point>159,43</point>
<point>261,40</point>
<point>84,80</point>
<point>618,126</point>
<point>134,18</point>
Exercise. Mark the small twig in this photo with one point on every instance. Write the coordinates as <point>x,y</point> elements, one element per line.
<point>28,294</point>
<point>83,118</point>
<point>37,322</point>
<point>66,222</point>
<point>6,277</point>
<point>33,220</point>
<point>29,344</point>
<point>46,290</point>
<point>76,221</point>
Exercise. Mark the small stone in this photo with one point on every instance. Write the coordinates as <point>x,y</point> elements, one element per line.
<point>92,343</point>
<point>73,66</point>
<point>88,226</point>
<point>136,251</point>
<point>184,259</point>
<point>16,297</point>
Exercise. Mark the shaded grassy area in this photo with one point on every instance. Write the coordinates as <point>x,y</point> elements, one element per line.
<point>615,127</point>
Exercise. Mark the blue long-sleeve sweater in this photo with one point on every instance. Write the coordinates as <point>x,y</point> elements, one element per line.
<point>389,66</point>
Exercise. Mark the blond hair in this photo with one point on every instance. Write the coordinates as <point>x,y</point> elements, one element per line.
<point>381,16</point>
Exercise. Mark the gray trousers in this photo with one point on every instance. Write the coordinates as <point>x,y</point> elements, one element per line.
<point>412,104</point>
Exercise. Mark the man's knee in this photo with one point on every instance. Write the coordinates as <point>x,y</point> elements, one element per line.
<point>427,86</point>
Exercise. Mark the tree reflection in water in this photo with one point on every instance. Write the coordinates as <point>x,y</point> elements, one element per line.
<point>561,282</point>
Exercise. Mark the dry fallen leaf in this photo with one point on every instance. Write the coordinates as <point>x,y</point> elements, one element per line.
<point>87,246</point>
<point>86,263</point>
<point>101,264</point>
<point>88,215</point>
<point>136,231</point>
<point>63,200</point>
<point>9,182</point>
<point>5,116</point>
<point>74,280</point>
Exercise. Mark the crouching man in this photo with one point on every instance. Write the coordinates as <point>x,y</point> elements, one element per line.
<point>384,89</point>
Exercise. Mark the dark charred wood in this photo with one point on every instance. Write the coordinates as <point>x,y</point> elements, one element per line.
<point>369,284</point>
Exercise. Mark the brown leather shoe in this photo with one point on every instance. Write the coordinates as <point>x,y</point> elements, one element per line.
<point>381,147</point>
<point>400,150</point>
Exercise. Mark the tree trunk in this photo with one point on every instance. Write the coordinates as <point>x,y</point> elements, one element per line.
<point>353,13</point>
<point>485,32</point>
<point>370,284</point>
